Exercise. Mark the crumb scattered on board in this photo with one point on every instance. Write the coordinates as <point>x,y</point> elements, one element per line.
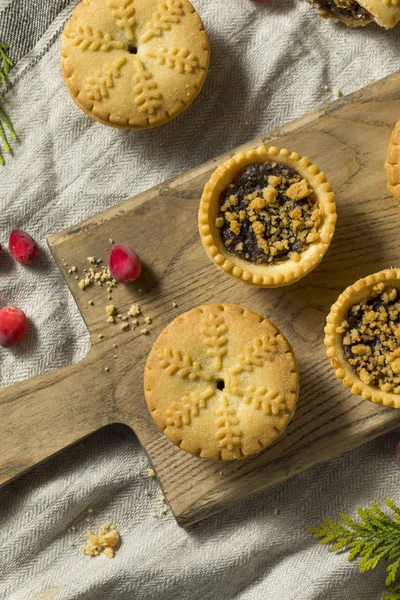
<point>99,274</point>
<point>105,542</point>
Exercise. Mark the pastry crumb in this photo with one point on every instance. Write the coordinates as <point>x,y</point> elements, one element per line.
<point>145,331</point>
<point>105,542</point>
<point>174,304</point>
<point>150,472</point>
<point>337,92</point>
<point>106,369</point>
<point>134,310</point>
<point>124,326</point>
<point>148,320</point>
<point>110,309</point>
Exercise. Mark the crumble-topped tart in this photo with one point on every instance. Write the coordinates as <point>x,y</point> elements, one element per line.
<point>221,382</point>
<point>134,63</point>
<point>362,337</point>
<point>359,13</point>
<point>267,216</point>
<point>392,164</point>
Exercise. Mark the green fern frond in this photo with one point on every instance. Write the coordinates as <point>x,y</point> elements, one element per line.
<point>5,65</point>
<point>374,538</point>
<point>392,592</point>
<point>8,123</point>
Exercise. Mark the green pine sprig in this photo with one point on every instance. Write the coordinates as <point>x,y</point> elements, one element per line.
<point>5,65</point>
<point>373,539</point>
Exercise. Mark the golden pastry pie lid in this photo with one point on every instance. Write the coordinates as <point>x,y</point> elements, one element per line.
<point>134,64</point>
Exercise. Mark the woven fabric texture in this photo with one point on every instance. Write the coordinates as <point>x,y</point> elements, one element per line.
<point>270,64</point>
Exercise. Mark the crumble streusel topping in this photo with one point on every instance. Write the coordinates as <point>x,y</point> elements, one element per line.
<point>371,339</point>
<point>268,214</point>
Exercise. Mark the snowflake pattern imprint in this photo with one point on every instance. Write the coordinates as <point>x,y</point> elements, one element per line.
<point>87,38</point>
<point>98,85</point>
<point>168,14</point>
<point>183,61</point>
<point>128,35</point>
<point>222,383</point>
<point>123,12</point>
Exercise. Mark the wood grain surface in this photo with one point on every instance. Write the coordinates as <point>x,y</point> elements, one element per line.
<point>39,417</point>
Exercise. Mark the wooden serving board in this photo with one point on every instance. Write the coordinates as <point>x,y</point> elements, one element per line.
<point>348,140</point>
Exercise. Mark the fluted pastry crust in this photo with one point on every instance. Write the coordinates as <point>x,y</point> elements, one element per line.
<point>392,164</point>
<point>265,275</point>
<point>360,291</point>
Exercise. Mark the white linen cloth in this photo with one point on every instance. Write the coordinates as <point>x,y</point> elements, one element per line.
<point>270,64</point>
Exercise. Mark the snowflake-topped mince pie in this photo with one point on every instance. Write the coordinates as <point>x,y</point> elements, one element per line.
<point>267,216</point>
<point>359,13</point>
<point>221,382</point>
<point>134,63</point>
<point>362,337</point>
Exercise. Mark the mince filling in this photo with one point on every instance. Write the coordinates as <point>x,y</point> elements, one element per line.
<point>344,9</point>
<point>371,339</point>
<point>268,214</point>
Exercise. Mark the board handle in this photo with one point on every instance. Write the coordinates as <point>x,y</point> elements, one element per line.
<point>41,416</point>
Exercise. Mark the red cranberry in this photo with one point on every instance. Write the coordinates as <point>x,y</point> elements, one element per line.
<point>23,247</point>
<point>124,264</point>
<point>13,324</point>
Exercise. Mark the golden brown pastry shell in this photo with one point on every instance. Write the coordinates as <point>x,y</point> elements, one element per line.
<point>283,273</point>
<point>392,164</point>
<point>81,63</point>
<point>359,291</point>
<point>238,332</point>
<point>385,13</point>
